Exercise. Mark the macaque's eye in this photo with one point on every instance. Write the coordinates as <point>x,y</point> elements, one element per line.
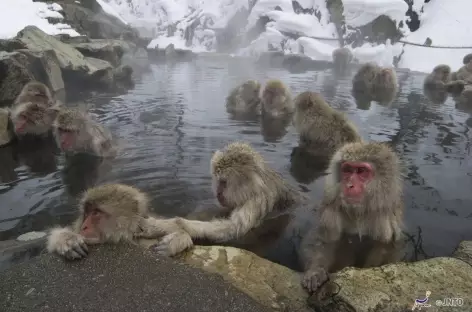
<point>348,169</point>
<point>361,170</point>
<point>95,213</point>
<point>64,130</point>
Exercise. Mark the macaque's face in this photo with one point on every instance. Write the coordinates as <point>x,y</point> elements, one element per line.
<point>220,185</point>
<point>33,119</point>
<point>250,91</point>
<point>96,223</point>
<point>67,138</point>
<point>354,178</point>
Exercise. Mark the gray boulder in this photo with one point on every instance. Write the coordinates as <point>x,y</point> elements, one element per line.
<point>21,66</point>
<point>110,50</point>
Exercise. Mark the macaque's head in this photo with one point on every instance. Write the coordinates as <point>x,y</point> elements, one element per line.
<point>305,101</point>
<point>387,77</point>
<point>469,66</point>
<point>111,212</point>
<point>237,174</point>
<point>467,59</point>
<point>361,172</point>
<point>70,129</point>
<point>250,90</point>
<point>275,95</point>
<point>31,118</point>
<point>442,72</point>
<point>37,92</point>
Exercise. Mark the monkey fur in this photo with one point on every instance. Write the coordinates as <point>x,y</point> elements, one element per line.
<point>360,231</point>
<point>121,207</point>
<point>76,132</point>
<point>322,129</point>
<point>276,99</point>
<point>244,98</point>
<point>342,57</point>
<point>465,73</point>
<point>467,59</point>
<point>35,92</point>
<point>372,82</point>
<point>243,184</point>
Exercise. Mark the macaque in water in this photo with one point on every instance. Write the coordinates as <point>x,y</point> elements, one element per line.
<point>322,129</point>
<point>465,73</point>
<point>35,92</point>
<point>361,214</point>
<point>31,118</point>
<point>76,132</point>
<point>467,59</point>
<point>245,186</point>
<point>342,57</point>
<point>372,82</point>
<point>276,99</point>
<point>244,98</point>
<point>107,213</point>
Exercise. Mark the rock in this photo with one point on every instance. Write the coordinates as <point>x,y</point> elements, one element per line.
<point>110,50</point>
<point>271,59</point>
<point>394,287</point>
<point>19,67</point>
<point>30,236</point>
<point>300,63</point>
<point>464,251</point>
<point>101,72</point>
<point>117,278</point>
<point>271,284</point>
<point>71,40</point>
<point>5,131</point>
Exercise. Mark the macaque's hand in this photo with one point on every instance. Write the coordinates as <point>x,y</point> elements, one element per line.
<point>68,244</point>
<point>314,278</point>
<point>147,228</point>
<point>173,243</point>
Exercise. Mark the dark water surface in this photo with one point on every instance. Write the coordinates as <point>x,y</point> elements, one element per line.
<point>171,123</point>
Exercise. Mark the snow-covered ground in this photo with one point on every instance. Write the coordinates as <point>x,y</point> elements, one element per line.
<point>446,23</point>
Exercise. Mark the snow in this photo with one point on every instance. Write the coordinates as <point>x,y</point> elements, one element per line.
<point>316,49</point>
<point>447,23</point>
<point>18,14</point>
<point>263,6</point>
<point>110,10</point>
<point>361,12</point>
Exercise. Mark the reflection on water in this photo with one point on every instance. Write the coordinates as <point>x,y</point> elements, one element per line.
<point>175,118</point>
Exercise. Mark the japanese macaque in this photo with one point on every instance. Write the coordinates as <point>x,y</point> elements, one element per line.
<point>467,59</point>
<point>32,118</point>
<point>465,73</point>
<point>434,86</point>
<point>361,214</point>
<point>276,99</point>
<point>244,98</point>
<point>76,132</point>
<point>37,93</point>
<point>372,82</point>
<point>342,57</point>
<point>322,129</point>
<point>245,186</point>
<point>107,213</point>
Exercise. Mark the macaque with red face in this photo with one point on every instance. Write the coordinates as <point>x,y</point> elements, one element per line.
<point>29,118</point>
<point>107,213</point>
<point>361,214</point>
<point>76,132</point>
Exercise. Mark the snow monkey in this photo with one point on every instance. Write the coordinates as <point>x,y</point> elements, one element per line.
<point>244,98</point>
<point>107,213</point>
<point>276,99</point>
<point>465,73</point>
<point>76,132</point>
<point>30,113</point>
<point>361,214</point>
<point>342,57</point>
<point>467,59</point>
<point>322,129</point>
<point>375,83</point>
<point>244,185</point>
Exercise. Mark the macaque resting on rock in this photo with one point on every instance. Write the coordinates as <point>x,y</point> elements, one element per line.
<point>245,98</point>
<point>322,129</point>
<point>76,132</point>
<point>374,83</point>
<point>361,214</point>
<point>245,186</point>
<point>276,99</point>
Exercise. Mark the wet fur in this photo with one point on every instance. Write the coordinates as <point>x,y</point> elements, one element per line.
<point>363,235</point>
<point>126,204</point>
<point>322,129</point>
<point>465,73</point>
<point>40,118</point>
<point>254,192</point>
<point>244,98</point>
<point>92,137</point>
<point>375,83</point>
<point>276,99</point>
<point>342,57</point>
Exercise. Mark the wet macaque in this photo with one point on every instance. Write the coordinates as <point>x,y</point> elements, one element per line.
<point>373,82</point>
<point>455,87</point>
<point>465,73</point>
<point>108,213</point>
<point>32,118</point>
<point>37,93</point>
<point>439,77</point>
<point>276,99</point>
<point>342,57</point>
<point>361,214</point>
<point>322,129</point>
<point>76,132</point>
<point>245,186</point>
<point>467,59</point>
<point>244,98</point>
